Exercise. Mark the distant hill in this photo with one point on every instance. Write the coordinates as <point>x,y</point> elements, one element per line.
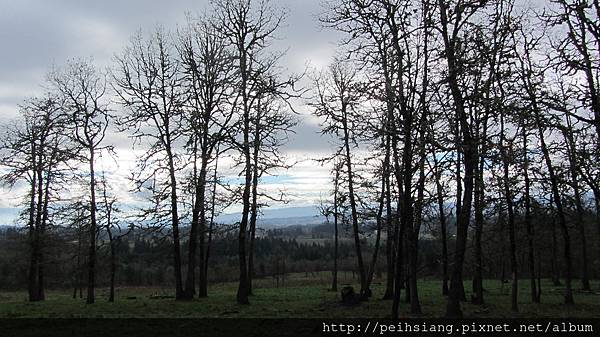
<point>298,220</point>
<point>280,217</point>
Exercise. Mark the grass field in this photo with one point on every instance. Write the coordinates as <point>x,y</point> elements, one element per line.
<point>304,296</point>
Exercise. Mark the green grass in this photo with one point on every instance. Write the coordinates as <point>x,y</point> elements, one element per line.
<point>304,296</point>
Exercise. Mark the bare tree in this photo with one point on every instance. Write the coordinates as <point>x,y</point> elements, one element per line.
<point>576,56</point>
<point>149,84</point>
<point>529,76</point>
<point>109,212</point>
<point>208,70</point>
<point>248,27</point>
<point>454,17</point>
<point>579,51</point>
<point>271,123</point>
<point>84,89</point>
<point>36,149</point>
<point>337,102</point>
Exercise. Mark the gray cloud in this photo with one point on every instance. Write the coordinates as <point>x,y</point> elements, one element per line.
<point>35,34</point>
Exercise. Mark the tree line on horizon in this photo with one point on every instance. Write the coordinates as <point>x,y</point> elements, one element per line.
<point>482,111</point>
<point>143,259</point>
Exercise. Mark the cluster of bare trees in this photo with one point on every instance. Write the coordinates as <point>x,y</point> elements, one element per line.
<point>37,150</point>
<point>64,127</point>
<point>461,113</point>
<point>186,98</point>
<point>465,110</point>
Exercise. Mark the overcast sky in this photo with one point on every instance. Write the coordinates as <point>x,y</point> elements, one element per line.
<point>36,34</point>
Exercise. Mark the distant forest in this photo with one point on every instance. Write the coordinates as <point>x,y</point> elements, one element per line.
<point>466,141</point>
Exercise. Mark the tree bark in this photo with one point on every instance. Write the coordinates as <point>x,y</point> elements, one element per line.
<point>202,286</point>
<point>174,219</point>
<point>511,217</point>
<point>469,150</point>
<point>189,289</point>
<point>113,263</point>
<point>559,209</point>
<point>399,234</point>
<point>379,226</point>
<point>242,292</point>
<point>198,227</point>
<point>92,231</point>
<point>254,205</point>
<point>528,221</point>
<point>352,198</point>
<point>443,225</point>
<point>33,235</point>
<point>554,261</point>
<point>526,73</point>
<point>334,280</point>
<point>579,211</point>
<point>202,275</point>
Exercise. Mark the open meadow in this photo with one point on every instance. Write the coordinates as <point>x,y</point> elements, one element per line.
<point>303,296</point>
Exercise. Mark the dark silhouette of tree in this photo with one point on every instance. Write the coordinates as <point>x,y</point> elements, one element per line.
<point>208,70</point>
<point>36,149</point>
<point>148,82</point>
<point>83,91</point>
<point>271,123</point>
<point>111,223</point>
<point>530,77</point>
<point>338,100</point>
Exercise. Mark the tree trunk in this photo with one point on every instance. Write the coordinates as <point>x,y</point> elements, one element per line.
<point>528,221</point>
<point>406,198</point>
<point>202,276</point>
<point>456,291</point>
<point>198,227</point>
<point>34,235</point>
<point>77,269</point>
<point>92,232</point>
<point>554,262</point>
<point>242,292</point>
<point>459,196</point>
<point>392,230</point>
<point>403,173</point>
<point>174,221</point>
<point>390,242</point>
<point>539,277</point>
<point>415,304</point>
<point>399,236</point>
<point>511,218</point>
<point>254,205</point>
<point>36,249</point>
<point>443,225</point>
<point>559,209</point>
<point>379,229</point>
<point>113,263</point>
<point>573,164</point>
<point>597,202</point>
<point>553,179</point>
<point>334,280</point>
<point>189,289</point>
<point>469,150</point>
<point>203,286</point>
<point>352,197</point>
<point>42,230</point>
<point>477,297</point>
